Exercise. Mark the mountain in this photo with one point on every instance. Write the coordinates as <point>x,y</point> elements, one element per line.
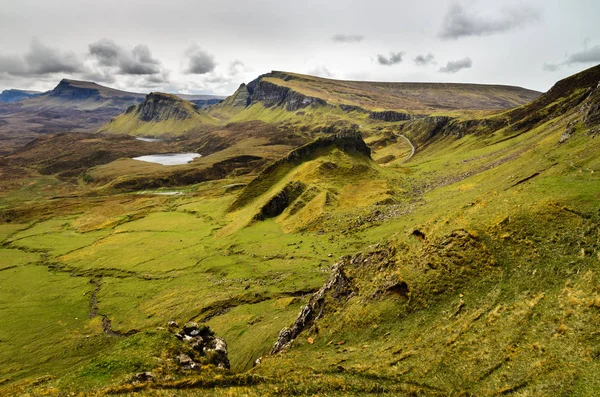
<point>311,250</point>
<point>295,91</point>
<point>203,101</point>
<point>159,114</point>
<point>72,106</point>
<point>76,106</point>
<point>13,95</point>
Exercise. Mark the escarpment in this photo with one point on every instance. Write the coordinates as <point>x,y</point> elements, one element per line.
<point>159,107</point>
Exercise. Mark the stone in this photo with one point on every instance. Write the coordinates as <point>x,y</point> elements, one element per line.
<point>189,327</point>
<point>186,361</point>
<point>143,377</point>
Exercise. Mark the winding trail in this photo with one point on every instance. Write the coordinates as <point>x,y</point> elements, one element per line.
<point>412,147</point>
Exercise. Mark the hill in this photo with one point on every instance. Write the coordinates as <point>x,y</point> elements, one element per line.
<point>13,95</point>
<point>159,115</point>
<point>454,253</point>
<point>297,91</point>
<point>72,106</point>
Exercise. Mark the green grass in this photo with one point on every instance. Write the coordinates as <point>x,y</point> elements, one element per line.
<point>504,289</point>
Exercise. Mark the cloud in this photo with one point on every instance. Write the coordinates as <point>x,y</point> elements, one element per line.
<point>424,60</point>
<point>236,67</point>
<point>320,71</point>
<point>455,66</point>
<point>199,61</point>
<point>393,59</point>
<point>348,38</point>
<point>40,60</point>
<point>138,61</point>
<point>551,67</point>
<point>460,22</point>
<point>588,55</point>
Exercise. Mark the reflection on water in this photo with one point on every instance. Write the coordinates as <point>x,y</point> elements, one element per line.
<point>139,138</point>
<point>169,158</point>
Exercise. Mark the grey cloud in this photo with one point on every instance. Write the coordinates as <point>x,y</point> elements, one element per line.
<point>138,61</point>
<point>106,52</point>
<point>40,60</point>
<point>348,38</point>
<point>588,55</point>
<point>236,67</point>
<point>551,67</point>
<point>424,60</point>
<point>320,71</point>
<point>455,66</point>
<point>199,61</point>
<point>459,22</point>
<point>393,59</point>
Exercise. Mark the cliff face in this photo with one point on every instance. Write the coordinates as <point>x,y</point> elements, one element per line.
<point>160,107</point>
<point>67,90</point>
<point>271,95</point>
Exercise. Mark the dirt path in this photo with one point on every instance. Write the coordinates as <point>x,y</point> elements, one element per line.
<point>412,147</point>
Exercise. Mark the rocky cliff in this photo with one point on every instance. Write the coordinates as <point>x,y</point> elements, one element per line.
<point>160,107</point>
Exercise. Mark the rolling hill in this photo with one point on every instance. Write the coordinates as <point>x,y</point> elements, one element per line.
<point>333,250</point>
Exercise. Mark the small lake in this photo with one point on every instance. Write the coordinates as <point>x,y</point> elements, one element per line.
<point>139,138</point>
<point>169,158</point>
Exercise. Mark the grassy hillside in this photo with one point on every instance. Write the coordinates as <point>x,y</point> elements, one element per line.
<point>448,256</point>
<point>411,97</point>
<point>159,115</point>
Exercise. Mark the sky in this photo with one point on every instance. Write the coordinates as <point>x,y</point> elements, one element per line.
<point>212,46</point>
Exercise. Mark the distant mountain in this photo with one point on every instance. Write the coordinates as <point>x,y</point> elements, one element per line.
<point>72,106</point>
<point>14,95</point>
<point>203,101</point>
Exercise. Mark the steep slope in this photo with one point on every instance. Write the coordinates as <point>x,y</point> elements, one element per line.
<point>159,115</point>
<point>294,91</point>
<point>313,180</point>
<point>467,267</point>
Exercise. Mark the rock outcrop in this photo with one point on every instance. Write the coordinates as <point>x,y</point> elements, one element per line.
<point>338,287</point>
<point>278,203</point>
<point>202,347</point>
<point>389,116</point>
<point>272,95</point>
<point>160,107</point>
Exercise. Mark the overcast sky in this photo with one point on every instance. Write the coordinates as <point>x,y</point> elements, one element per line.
<point>211,46</point>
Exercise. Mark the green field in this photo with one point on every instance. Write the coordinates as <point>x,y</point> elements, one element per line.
<point>472,266</point>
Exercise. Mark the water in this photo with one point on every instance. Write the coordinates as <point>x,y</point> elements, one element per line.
<point>149,139</point>
<point>169,158</point>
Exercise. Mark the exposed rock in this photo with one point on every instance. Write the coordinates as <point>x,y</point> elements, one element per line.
<point>189,327</point>
<point>278,203</point>
<point>159,107</point>
<point>568,132</point>
<point>201,347</point>
<point>390,116</point>
<point>352,108</point>
<point>338,287</point>
<point>186,361</point>
<point>173,324</point>
<point>142,377</point>
<point>271,95</point>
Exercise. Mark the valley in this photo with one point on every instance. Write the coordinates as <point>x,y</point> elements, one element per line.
<point>341,237</point>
